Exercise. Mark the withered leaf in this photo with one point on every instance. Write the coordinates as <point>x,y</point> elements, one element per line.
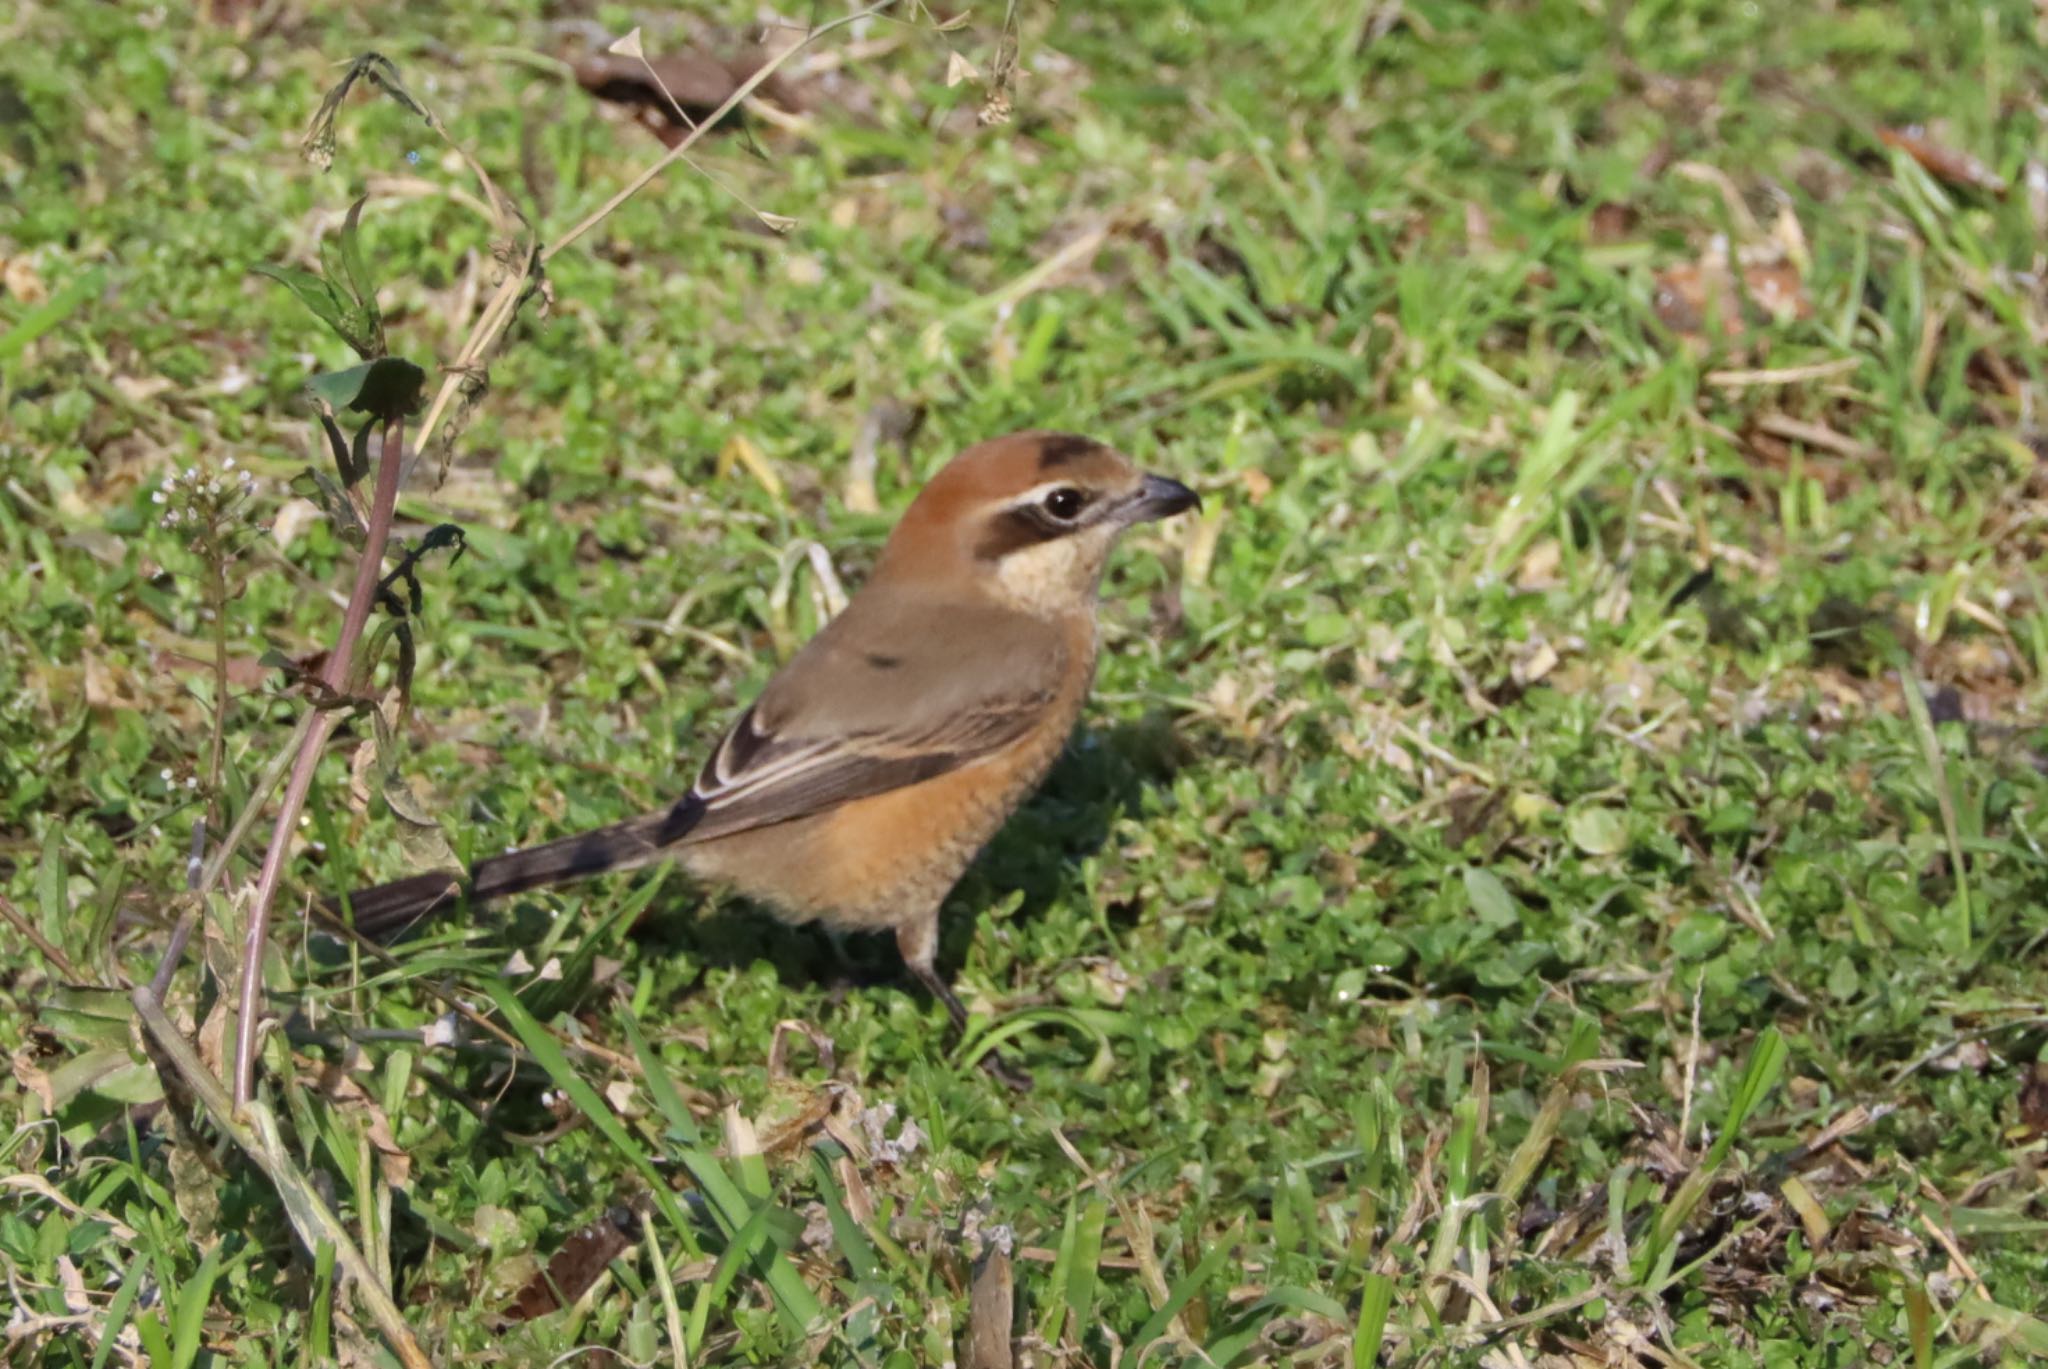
<point>2034,1098</point>
<point>575,1267</point>
<point>1950,165</point>
<point>990,1307</point>
<point>677,90</point>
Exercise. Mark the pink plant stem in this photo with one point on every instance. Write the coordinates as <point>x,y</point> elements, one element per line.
<point>361,598</point>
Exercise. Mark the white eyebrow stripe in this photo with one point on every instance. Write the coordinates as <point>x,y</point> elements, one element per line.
<point>1097,501</point>
<point>1038,492</point>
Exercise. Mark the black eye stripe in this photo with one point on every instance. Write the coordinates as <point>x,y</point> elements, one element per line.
<point>1018,527</point>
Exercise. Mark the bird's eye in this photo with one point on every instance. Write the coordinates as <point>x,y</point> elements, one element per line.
<point>1064,503</point>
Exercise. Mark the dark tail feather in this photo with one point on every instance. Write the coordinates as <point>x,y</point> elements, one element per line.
<point>385,910</point>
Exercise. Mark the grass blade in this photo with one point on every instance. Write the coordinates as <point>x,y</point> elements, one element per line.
<point>1182,1293</point>
<point>1766,1063</point>
<point>1372,1321</point>
<point>794,1301</point>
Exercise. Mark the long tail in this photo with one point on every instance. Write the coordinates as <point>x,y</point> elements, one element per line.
<point>385,910</point>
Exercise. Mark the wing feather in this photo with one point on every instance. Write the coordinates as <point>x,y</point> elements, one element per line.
<point>888,695</point>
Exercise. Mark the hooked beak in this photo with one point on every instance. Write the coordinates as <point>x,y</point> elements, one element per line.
<point>1159,498</point>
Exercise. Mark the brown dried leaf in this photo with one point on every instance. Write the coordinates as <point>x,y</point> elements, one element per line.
<point>244,672</point>
<point>1690,293</point>
<point>196,1185</point>
<point>2034,1098</point>
<point>18,278</point>
<point>990,1308</point>
<point>576,1266</point>
<point>103,687</point>
<point>677,90</point>
<point>33,1079</point>
<point>795,1027</point>
<point>1611,222</point>
<point>1681,301</point>
<point>1949,165</point>
<point>419,831</point>
<point>341,1088</point>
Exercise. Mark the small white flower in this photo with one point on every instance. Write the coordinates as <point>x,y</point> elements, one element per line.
<point>228,464</point>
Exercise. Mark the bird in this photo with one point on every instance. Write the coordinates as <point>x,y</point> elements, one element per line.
<point>862,781</point>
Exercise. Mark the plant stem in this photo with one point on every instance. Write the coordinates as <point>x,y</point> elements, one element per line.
<point>217,600</point>
<point>361,599</point>
<point>255,1131</point>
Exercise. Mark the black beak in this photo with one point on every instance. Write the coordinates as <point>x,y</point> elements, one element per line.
<point>1159,498</point>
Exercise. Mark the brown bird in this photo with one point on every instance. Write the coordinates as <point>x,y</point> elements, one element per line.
<point>873,767</point>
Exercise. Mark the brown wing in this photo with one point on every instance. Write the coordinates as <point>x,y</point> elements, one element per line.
<point>895,690</point>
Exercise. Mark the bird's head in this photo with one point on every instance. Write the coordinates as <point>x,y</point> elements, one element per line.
<point>1029,519</point>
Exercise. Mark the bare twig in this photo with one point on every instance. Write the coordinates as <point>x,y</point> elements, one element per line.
<point>336,677</point>
<point>483,337</point>
<point>195,872</point>
<point>58,960</point>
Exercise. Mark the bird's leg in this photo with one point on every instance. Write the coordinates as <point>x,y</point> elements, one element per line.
<point>918,940</point>
<point>919,943</point>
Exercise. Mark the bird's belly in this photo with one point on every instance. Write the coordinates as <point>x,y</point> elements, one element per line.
<point>881,861</point>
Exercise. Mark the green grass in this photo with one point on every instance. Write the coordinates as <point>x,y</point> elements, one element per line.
<point>1453,926</point>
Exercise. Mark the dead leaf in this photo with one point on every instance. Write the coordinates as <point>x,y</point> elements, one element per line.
<point>33,1079</point>
<point>576,1266</point>
<point>1778,291</point>
<point>419,831</point>
<point>102,689</point>
<point>360,766</point>
<point>196,1186</point>
<point>740,450</point>
<point>352,1099</point>
<point>674,92</point>
<point>990,1308</point>
<point>794,1027</point>
<point>19,279</point>
<point>1539,569</point>
<point>1972,1055</point>
<point>2034,1098</point>
<point>244,672</point>
<point>1611,223</point>
<point>1950,165</point>
<point>1689,294</point>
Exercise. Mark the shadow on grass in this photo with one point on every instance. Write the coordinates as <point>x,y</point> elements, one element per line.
<point>1101,776</point>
